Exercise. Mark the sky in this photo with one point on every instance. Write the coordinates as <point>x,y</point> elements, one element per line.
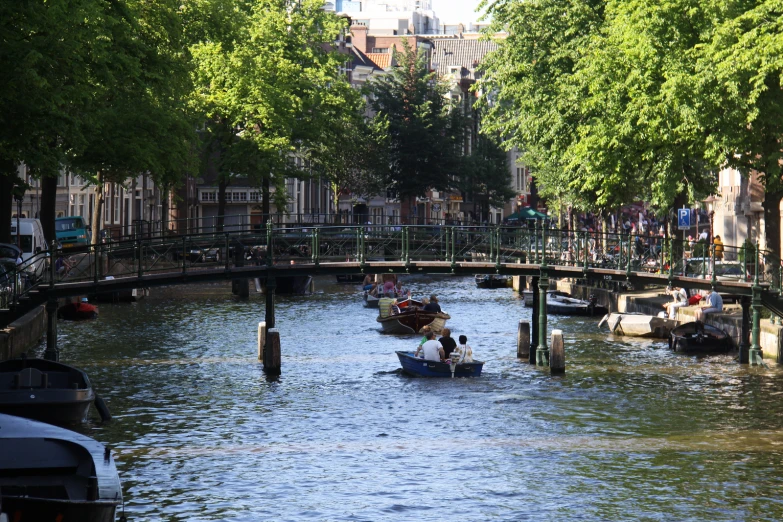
<point>452,11</point>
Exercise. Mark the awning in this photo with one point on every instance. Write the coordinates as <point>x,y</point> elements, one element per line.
<point>524,214</point>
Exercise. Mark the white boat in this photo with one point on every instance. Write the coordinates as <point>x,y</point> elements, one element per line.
<point>562,305</point>
<point>370,301</point>
<point>527,295</point>
<point>639,325</point>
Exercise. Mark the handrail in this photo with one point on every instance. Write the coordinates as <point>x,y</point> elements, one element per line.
<point>318,244</point>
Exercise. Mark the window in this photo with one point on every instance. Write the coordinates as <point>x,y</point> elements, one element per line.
<point>238,196</point>
<point>380,49</point>
<point>208,196</point>
<point>254,196</point>
<point>81,205</point>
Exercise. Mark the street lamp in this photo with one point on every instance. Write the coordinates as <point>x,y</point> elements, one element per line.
<point>710,202</point>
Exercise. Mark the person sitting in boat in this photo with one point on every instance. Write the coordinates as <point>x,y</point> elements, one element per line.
<point>463,351</point>
<point>433,305</point>
<point>400,290</point>
<point>680,299</point>
<point>369,281</point>
<point>373,290</point>
<point>431,350</point>
<point>712,303</point>
<point>448,343</point>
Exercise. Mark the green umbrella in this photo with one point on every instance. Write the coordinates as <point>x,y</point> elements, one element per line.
<point>525,213</point>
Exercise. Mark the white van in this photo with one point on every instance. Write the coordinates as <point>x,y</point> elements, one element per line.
<point>32,242</point>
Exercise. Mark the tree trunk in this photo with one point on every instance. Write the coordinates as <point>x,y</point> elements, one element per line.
<point>48,206</point>
<point>336,196</point>
<point>7,179</point>
<point>772,221</point>
<point>221,204</point>
<point>97,212</point>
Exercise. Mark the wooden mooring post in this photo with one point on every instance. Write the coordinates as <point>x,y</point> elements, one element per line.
<point>261,340</point>
<point>272,352</point>
<point>523,340</point>
<point>557,352</point>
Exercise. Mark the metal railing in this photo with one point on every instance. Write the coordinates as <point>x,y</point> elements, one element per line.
<point>293,244</point>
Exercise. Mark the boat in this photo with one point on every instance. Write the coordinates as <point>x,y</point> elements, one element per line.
<point>413,365</point>
<point>370,301</point>
<point>527,295</point>
<point>408,317</point>
<point>639,325</point>
<point>697,337</point>
<point>492,281</point>
<point>81,311</point>
<point>44,390</point>
<point>561,305</point>
<point>51,473</point>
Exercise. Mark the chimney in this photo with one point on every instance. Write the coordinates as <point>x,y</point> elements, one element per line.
<point>359,37</point>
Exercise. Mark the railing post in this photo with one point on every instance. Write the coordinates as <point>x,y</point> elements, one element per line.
<point>630,257</point>
<point>227,257</point>
<point>535,241</point>
<point>361,247</point>
<point>543,243</point>
<point>269,247</point>
<point>671,260</point>
<point>52,263</point>
<point>447,233</point>
<point>453,248</point>
<point>316,249</point>
<point>184,254</point>
<point>407,249</point>
<point>587,254</point>
<point>712,266</point>
<point>780,280</point>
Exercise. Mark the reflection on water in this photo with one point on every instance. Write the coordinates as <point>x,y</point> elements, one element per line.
<point>631,432</point>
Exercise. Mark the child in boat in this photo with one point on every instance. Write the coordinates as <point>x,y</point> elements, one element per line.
<point>464,350</point>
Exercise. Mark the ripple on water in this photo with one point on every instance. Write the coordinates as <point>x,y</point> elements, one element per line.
<point>631,432</point>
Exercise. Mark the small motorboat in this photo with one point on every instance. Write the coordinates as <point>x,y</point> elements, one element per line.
<point>51,473</point>
<point>371,301</point>
<point>408,317</point>
<point>80,311</point>
<point>492,281</point>
<point>413,365</point>
<point>639,325</point>
<point>527,295</point>
<point>44,390</point>
<point>699,338</point>
<point>561,305</point>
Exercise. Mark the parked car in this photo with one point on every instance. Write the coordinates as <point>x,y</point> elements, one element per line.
<point>724,270</point>
<point>72,232</point>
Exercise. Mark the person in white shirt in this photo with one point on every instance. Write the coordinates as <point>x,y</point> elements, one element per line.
<point>464,351</point>
<point>431,350</point>
<point>680,297</point>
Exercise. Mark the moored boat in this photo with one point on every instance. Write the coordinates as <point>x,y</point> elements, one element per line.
<point>561,305</point>
<point>371,301</point>
<point>527,295</point>
<point>492,281</point>
<point>699,338</point>
<point>639,325</point>
<point>50,473</point>
<point>80,311</point>
<point>408,317</point>
<point>413,365</point>
<point>44,390</point>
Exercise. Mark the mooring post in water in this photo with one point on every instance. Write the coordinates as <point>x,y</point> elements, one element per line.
<point>261,340</point>
<point>269,313</point>
<point>755,355</point>
<point>272,360</point>
<point>534,317</point>
<point>51,353</point>
<point>744,341</point>
<point>557,352</point>
<point>240,287</point>
<point>523,340</point>
<point>542,352</point>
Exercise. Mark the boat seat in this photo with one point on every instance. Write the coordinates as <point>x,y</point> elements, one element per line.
<point>32,378</point>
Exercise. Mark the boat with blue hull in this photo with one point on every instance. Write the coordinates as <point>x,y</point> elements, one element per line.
<point>413,365</point>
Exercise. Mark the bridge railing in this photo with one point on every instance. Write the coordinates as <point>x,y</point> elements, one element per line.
<point>286,244</point>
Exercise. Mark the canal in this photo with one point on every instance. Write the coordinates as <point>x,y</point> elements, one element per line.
<point>631,432</point>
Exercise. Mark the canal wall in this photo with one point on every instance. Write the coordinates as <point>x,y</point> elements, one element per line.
<point>23,334</point>
<point>650,302</point>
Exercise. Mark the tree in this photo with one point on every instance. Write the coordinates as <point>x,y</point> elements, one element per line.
<point>270,90</point>
<point>424,134</point>
<point>485,176</point>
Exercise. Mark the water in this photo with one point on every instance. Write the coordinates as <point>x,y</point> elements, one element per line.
<point>631,432</point>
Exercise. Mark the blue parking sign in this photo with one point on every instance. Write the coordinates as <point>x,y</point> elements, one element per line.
<point>683,218</point>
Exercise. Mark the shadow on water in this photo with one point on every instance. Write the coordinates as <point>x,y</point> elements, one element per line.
<point>630,432</point>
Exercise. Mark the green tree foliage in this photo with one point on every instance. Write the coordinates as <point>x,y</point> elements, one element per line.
<point>424,130</point>
<point>485,177</point>
<point>269,85</point>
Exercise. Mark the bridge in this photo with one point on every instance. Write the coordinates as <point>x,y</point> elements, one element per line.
<point>283,251</point>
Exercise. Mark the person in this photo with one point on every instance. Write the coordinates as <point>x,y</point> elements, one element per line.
<point>433,305</point>
<point>718,248</point>
<point>464,351</point>
<point>401,292</point>
<point>703,235</point>
<point>447,342</point>
<point>367,284</point>
<point>431,350</point>
<point>713,303</point>
<point>680,299</point>
<point>373,291</point>
<point>388,288</point>
<point>425,330</point>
